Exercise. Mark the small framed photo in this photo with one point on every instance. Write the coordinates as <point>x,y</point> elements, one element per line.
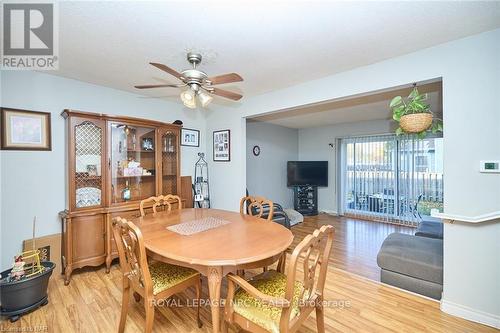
<point>190,137</point>
<point>92,170</point>
<point>222,146</point>
<point>25,130</point>
<point>147,144</point>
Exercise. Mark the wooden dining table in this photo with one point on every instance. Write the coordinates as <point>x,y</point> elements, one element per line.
<point>243,242</point>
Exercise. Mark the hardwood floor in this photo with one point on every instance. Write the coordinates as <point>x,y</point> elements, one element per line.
<point>356,242</point>
<point>91,303</point>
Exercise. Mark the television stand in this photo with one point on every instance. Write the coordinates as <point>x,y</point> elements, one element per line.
<point>305,199</point>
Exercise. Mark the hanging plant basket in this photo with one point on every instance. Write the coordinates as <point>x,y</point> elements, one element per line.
<point>416,122</point>
<point>414,115</point>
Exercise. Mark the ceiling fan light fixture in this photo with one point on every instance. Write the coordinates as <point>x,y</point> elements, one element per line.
<point>188,98</point>
<point>204,98</point>
<point>198,83</point>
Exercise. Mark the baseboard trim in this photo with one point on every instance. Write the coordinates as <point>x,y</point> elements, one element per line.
<point>330,212</point>
<point>468,313</point>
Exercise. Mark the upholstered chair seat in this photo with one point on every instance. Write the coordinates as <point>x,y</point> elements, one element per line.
<point>271,283</point>
<point>166,276</point>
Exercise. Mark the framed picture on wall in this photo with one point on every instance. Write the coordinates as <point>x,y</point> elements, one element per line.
<point>25,130</point>
<point>222,146</point>
<point>190,137</point>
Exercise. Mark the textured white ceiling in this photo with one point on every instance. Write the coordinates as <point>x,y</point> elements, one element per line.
<point>271,44</point>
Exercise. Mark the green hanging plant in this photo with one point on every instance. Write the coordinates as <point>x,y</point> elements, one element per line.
<point>414,115</point>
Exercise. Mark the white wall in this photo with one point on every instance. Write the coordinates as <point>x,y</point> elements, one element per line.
<point>266,173</point>
<point>314,146</point>
<point>227,179</point>
<point>470,70</point>
<point>33,183</point>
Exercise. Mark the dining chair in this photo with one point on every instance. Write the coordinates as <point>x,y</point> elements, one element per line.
<point>153,281</point>
<point>257,206</point>
<point>164,201</point>
<point>279,214</point>
<point>361,202</point>
<point>276,302</point>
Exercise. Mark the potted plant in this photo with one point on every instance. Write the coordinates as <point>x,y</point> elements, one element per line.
<point>414,114</point>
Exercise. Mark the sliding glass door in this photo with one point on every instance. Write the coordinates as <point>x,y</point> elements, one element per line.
<point>391,179</point>
<point>420,176</point>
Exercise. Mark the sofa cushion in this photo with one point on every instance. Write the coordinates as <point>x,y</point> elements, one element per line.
<point>431,229</point>
<point>418,257</point>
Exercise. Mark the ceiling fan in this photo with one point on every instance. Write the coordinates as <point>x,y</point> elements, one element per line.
<point>198,83</point>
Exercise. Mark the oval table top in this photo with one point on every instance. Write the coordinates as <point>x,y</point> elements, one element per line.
<point>245,239</point>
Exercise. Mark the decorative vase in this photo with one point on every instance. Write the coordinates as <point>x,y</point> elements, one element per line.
<point>416,122</point>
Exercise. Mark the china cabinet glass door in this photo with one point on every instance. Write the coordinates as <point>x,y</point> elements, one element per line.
<point>132,162</point>
<point>169,162</point>
<point>88,149</point>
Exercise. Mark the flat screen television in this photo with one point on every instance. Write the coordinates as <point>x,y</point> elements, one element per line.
<point>313,173</point>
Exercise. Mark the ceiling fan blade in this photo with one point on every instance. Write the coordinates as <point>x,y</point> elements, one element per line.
<point>149,86</point>
<point>225,78</point>
<point>226,94</point>
<point>167,69</point>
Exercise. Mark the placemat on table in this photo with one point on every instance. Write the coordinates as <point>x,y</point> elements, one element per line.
<point>196,226</point>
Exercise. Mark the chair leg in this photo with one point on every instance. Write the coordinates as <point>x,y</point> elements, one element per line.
<point>282,263</point>
<point>150,315</point>
<point>124,312</point>
<point>198,296</point>
<point>320,317</point>
<point>224,326</point>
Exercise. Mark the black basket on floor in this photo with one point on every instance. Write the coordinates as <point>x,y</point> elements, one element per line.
<point>20,297</point>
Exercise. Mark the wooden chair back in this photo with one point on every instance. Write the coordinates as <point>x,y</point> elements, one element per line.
<point>256,206</point>
<point>314,253</point>
<point>132,254</point>
<point>162,201</point>
<point>137,277</point>
<point>314,258</point>
<point>314,250</point>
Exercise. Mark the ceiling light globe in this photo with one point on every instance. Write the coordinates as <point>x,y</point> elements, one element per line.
<point>204,98</point>
<point>187,95</point>
<point>188,99</point>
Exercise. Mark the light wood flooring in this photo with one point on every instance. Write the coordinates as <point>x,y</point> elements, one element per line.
<point>91,303</point>
<point>356,242</point>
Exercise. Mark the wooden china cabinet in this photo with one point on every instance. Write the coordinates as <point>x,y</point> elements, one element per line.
<point>113,163</point>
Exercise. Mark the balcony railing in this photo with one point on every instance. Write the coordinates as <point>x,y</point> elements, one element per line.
<point>374,192</point>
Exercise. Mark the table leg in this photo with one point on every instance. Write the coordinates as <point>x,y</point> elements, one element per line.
<point>214,285</point>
